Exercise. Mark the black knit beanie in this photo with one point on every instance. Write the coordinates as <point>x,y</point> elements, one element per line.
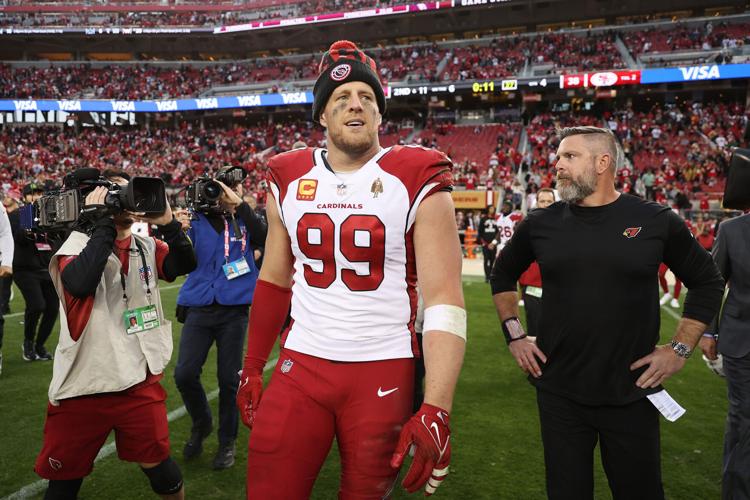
<point>344,63</point>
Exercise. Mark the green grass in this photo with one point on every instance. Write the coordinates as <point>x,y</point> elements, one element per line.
<point>497,450</point>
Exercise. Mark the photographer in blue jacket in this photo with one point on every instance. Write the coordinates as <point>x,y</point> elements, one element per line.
<point>214,305</point>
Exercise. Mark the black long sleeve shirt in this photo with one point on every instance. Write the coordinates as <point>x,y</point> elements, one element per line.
<point>27,257</point>
<point>81,276</point>
<point>600,310</point>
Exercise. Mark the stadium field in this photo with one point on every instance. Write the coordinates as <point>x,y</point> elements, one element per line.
<point>497,450</point>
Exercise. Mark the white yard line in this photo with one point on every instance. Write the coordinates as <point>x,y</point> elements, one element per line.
<point>39,486</point>
<point>671,312</point>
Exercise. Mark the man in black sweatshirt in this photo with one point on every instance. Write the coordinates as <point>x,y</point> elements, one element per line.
<point>33,251</point>
<point>596,357</point>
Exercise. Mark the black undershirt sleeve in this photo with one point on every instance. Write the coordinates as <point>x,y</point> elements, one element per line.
<point>514,259</point>
<point>696,269</point>
<point>255,225</point>
<point>82,275</point>
<point>181,257</point>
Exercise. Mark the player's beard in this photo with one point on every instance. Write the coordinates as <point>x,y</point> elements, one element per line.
<point>575,189</point>
<point>353,145</point>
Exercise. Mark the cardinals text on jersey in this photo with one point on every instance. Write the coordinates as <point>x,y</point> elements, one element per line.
<point>354,297</point>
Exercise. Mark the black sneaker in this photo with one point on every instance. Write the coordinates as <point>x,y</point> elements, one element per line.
<point>224,458</point>
<point>194,445</point>
<point>28,350</point>
<point>42,354</point>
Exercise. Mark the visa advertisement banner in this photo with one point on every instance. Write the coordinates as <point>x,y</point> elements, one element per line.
<point>695,73</point>
<point>244,101</point>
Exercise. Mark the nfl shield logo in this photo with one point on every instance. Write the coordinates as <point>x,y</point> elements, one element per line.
<point>286,365</point>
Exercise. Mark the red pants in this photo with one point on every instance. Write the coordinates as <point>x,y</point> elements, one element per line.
<point>76,430</point>
<point>663,281</point>
<point>308,402</point>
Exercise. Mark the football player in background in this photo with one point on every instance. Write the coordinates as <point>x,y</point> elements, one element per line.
<point>351,228</point>
<point>506,225</point>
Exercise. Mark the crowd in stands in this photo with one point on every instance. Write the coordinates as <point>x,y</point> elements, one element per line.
<point>142,81</point>
<point>674,153</point>
<point>415,63</point>
<point>501,57</point>
<point>46,154</point>
<point>484,156</point>
<point>198,18</point>
<point>680,148</point>
<point>682,38</point>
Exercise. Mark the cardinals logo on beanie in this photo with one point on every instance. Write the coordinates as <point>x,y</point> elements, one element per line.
<point>344,63</point>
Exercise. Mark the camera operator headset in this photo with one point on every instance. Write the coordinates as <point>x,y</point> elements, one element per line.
<point>214,304</point>
<point>107,368</point>
<point>33,251</point>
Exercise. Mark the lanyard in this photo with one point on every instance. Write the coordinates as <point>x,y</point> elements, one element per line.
<point>226,240</point>
<point>145,272</point>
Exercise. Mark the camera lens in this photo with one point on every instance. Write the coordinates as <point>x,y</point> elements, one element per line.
<point>147,195</point>
<point>212,190</point>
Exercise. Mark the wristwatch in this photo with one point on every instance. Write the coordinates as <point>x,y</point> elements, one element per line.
<point>682,350</point>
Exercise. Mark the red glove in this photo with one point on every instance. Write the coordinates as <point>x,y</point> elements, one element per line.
<point>267,316</point>
<point>428,431</point>
<point>248,396</point>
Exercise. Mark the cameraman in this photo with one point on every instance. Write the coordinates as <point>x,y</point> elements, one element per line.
<point>214,303</point>
<point>33,252</point>
<point>106,373</point>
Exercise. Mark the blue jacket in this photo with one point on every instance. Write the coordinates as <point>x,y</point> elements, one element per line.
<point>208,284</point>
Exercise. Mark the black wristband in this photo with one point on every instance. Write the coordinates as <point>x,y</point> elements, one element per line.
<point>513,330</point>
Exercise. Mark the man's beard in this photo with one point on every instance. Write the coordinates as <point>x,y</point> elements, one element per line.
<point>573,190</point>
<point>354,147</point>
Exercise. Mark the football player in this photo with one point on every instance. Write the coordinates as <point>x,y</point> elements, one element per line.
<point>351,229</point>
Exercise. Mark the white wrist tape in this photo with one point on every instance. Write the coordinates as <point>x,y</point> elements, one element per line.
<point>445,318</point>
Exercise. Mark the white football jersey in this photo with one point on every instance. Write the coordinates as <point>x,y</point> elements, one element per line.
<point>354,296</point>
<point>506,226</point>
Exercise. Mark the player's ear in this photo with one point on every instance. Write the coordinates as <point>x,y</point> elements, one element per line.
<point>322,119</point>
<point>380,119</point>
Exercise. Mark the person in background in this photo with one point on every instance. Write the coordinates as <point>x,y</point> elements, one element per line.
<point>487,234</point>
<point>531,279</point>
<point>10,202</point>
<point>731,253</point>
<point>33,251</point>
<point>6,265</point>
<point>214,302</point>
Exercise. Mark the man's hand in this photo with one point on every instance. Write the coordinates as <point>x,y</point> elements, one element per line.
<point>97,196</point>
<point>428,431</point>
<point>708,346</point>
<point>229,199</point>
<point>6,271</point>
<point>663,363</point>
<point>183,217</point>
<point>248,396</point>
<point>528,355</point>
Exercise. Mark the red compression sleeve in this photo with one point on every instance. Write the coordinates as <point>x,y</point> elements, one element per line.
<point>267,316</point>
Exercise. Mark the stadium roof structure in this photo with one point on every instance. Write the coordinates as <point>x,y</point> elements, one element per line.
<point>437,19</point>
